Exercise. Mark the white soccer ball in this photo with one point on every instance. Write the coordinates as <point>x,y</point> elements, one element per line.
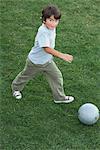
<point>88,114</point>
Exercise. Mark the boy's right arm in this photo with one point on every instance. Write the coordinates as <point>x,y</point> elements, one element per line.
<point>56,53</point>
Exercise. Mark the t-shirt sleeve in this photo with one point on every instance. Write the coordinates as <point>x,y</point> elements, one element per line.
<point>43,40</point>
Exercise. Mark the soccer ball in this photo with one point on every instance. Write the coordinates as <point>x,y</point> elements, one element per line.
<point>88,114</point>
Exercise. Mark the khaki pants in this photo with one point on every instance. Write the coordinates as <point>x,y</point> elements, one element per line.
<point>50,70</point>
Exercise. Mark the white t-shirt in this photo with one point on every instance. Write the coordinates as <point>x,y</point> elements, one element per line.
<point>45,38</point>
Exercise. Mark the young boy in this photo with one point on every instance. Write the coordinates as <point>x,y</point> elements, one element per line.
<point>40,58</point>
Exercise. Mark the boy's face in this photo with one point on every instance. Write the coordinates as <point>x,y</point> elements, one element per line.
<point>51,22</point>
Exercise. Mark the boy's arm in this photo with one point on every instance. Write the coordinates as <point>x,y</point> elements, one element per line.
<point>56,53</point>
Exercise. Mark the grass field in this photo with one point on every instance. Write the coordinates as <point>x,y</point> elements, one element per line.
<point>35,122</point>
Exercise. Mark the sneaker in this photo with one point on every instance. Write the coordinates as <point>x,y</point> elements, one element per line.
<point>17,94</point>
<point>68,99</point>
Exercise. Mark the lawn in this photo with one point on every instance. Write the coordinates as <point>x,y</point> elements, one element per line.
<point>35,122</point>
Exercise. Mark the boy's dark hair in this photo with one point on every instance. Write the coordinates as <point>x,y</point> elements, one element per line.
<point>49,11</point>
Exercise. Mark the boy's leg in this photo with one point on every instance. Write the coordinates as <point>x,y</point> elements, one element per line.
<point>55,79</point>
<point>24,76</point>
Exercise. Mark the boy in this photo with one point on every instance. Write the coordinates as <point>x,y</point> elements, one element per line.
<point>40,58</point>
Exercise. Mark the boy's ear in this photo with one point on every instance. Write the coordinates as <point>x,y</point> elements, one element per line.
<point>44,22</point>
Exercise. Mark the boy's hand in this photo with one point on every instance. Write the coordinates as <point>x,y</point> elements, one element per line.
<point>67,57</point>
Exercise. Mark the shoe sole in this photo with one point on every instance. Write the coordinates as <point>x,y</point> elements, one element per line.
<point>67,101</point>
<point>17,97</point>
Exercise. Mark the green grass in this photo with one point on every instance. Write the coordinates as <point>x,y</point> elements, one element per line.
<point>35,122</point>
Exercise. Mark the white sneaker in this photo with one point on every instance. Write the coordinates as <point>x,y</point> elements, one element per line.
<point>68,99</point>
<point>17,94</point>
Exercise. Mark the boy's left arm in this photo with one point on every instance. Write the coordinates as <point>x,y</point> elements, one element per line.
<point>56,53</point>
